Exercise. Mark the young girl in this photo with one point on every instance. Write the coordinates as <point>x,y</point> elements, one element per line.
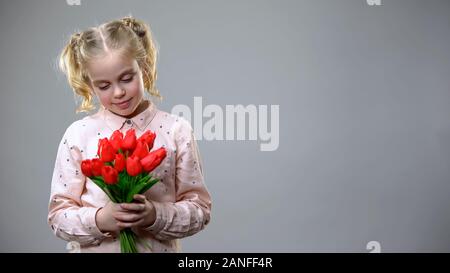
<point>116,62</point>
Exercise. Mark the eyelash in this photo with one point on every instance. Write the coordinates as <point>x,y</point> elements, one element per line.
<point>124,80</point>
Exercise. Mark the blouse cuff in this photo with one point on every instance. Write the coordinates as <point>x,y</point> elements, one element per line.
<point>160,220</point>
<point>91,224</point>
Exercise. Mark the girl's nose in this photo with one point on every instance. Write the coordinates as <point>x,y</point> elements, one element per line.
<point>119,92</point>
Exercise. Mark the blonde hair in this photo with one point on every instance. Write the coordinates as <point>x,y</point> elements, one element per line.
<point>129,35</point>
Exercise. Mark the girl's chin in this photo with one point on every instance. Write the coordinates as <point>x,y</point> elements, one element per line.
<point>126,107</point>
<point>124,112</point>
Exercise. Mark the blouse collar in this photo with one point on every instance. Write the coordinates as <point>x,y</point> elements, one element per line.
<point>141,121</point>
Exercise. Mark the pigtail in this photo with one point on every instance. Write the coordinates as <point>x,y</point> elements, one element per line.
<point>142,31</point>
<point>71,64</point>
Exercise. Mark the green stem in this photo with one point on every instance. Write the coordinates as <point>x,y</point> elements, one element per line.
<point>127,241</point>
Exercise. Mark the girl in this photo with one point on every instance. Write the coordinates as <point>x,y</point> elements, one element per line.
<point>116,62</point>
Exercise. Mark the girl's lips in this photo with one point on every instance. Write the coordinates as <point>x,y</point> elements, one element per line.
<point>124,105</point>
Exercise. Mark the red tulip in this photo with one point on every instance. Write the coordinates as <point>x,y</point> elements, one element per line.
<point>133,165</point>
<point>129,142</point>
<point>116,140</point>
<point>119,162</point>
<point>96,167</point>
<point>106,150</point>
<point>109,175</point>
<point>100,144</point>
<point>153,159</point>
<point>141,149</point>
<point>86,167</point>
<point>149,138</point>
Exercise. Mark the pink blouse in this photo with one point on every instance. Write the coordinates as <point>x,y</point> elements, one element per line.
<point>181,199</point>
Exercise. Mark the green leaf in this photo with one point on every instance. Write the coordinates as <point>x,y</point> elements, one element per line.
<point>98,180</point>
<point>111,196</point>
<point>149,184</point>
<point>138,189</point>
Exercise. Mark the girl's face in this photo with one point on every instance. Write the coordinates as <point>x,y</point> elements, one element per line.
<point>117,82</point>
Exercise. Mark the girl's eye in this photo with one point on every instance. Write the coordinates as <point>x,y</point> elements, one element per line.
<point>127,79</point>
<point>103,87</point>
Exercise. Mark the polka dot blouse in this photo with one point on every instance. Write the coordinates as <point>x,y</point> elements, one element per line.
<point>181,199</point>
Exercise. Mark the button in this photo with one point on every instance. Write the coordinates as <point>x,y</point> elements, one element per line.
<point>128,121</point>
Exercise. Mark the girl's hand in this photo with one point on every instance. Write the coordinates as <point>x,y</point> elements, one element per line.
<point>135,215</point>
<point>105,220</point>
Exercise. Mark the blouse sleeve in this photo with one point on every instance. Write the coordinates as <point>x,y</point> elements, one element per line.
<point>67,217</point>
<point>192,210</point>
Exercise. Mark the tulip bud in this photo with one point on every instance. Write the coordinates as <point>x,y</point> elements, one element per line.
<point>133,165</point>
<point>129,142</point>
<point>86,167</point>
<point>153,159</point>
<point>96,167</point>
<point>109,175</point>
<point>149,138</point>
<point>141,149</point>
<point>107,152</point>
<point>116,140</point>
<point>119,162</point>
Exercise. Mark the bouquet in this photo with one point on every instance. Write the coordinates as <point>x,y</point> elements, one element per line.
<point>122,169</point>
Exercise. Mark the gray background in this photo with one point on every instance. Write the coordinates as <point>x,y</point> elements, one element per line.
<point>364,101</point>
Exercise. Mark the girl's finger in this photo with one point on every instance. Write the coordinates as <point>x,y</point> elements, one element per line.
<point>127,217</point>
<point>133,206</point>
<point>124,225</point>
<point>129,224</point>
<point>139,197</point>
